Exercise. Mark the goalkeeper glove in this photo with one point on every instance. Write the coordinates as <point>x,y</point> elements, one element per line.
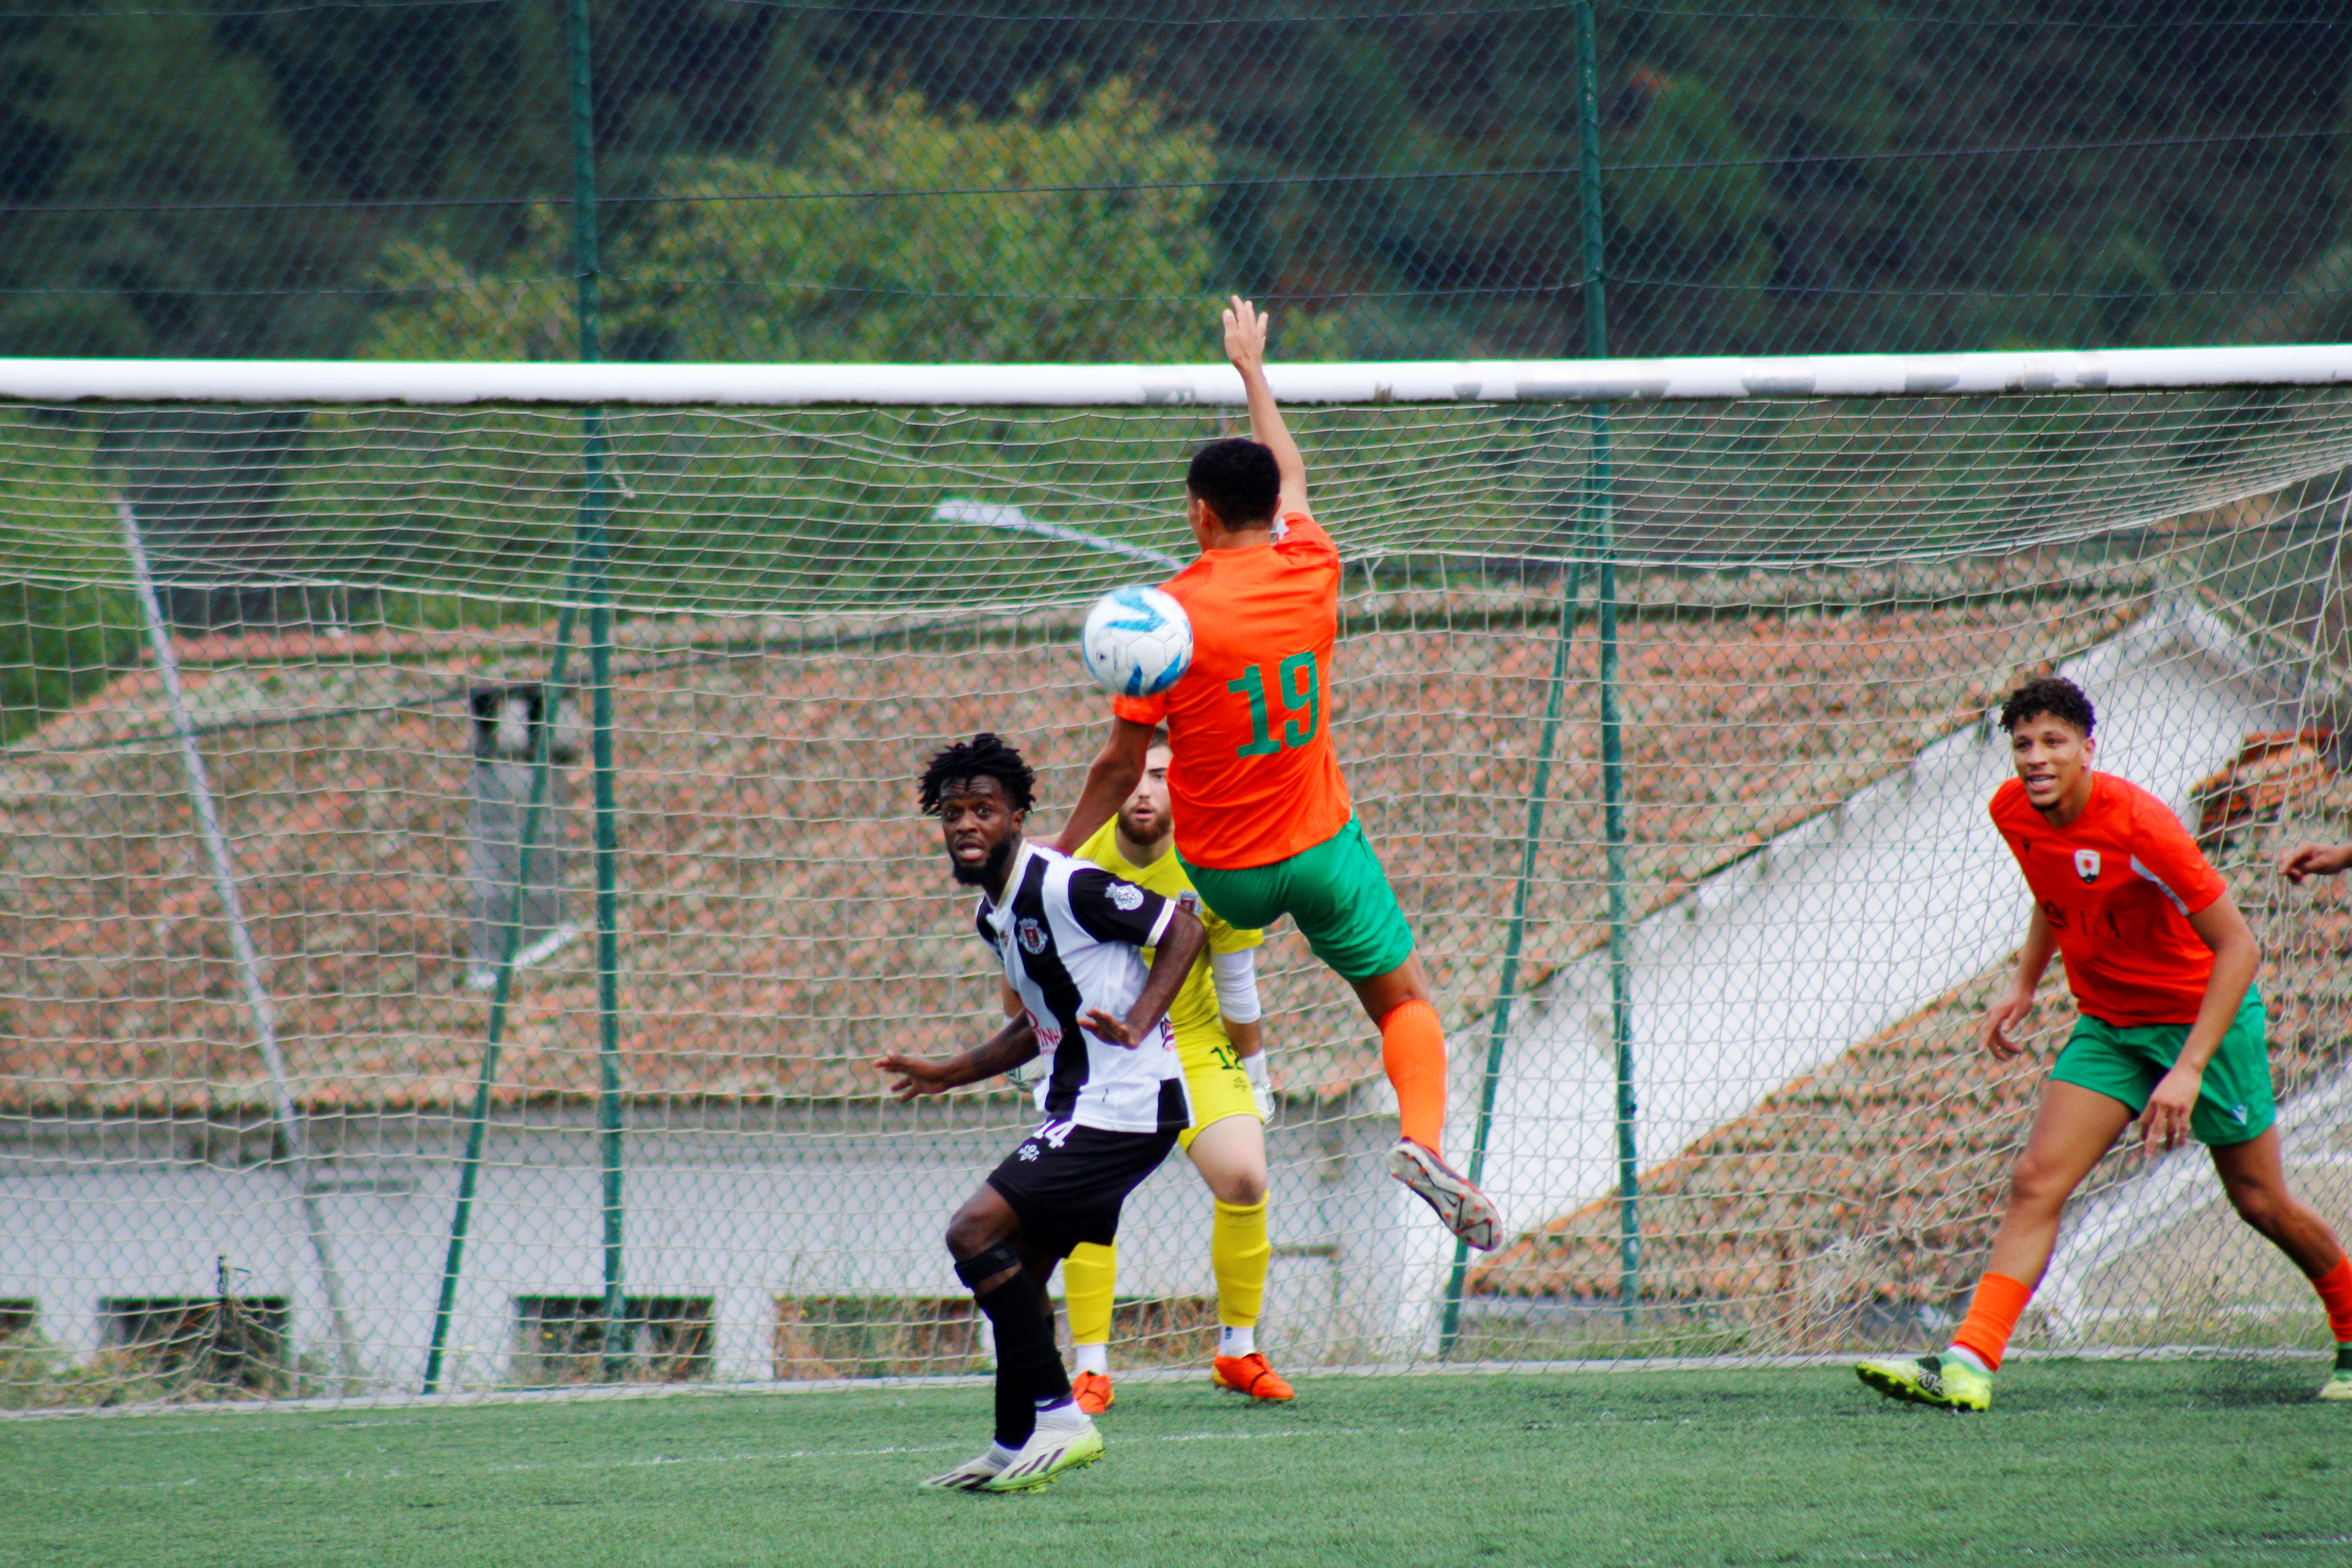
<point>1261,1087</point>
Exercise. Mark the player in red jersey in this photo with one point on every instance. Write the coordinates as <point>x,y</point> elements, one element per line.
<point>2170,1030</point>
<point>1264,825</point>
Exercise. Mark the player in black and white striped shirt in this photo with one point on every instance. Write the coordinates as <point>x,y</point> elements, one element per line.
<point>1068,937</point>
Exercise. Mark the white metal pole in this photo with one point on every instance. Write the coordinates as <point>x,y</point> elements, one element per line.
<point>466,384</point>
<point>248,958</point>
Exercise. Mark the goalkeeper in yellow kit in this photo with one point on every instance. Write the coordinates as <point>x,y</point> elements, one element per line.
<point>1215,1017</point>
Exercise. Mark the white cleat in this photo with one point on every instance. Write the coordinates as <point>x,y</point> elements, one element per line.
<point>1054,1447</point>
<point>1465,1211</point>
<point>974,1474</point>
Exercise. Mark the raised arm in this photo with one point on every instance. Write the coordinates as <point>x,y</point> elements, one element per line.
<point>1109,782</point>
<point>1246,346</point>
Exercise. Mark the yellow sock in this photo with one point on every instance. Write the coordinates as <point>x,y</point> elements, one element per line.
<point>1241,1254</point>
<point>1089,1275</point>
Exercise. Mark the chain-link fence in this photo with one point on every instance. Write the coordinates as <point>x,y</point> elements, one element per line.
<point>1067,179</point>
<point>238,1139</point>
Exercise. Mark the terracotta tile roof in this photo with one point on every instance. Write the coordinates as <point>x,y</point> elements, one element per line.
<point>1878,1178</point>
<point>785,915</point>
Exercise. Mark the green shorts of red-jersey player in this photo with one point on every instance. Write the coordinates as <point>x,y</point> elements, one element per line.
<point>1335,892</point>
<point>2233,1103</point>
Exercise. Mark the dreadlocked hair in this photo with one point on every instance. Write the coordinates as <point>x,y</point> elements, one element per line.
<point>985,756</point>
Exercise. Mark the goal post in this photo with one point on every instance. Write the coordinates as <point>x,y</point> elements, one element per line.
<point>1709,379</point>
<point>557,814</point>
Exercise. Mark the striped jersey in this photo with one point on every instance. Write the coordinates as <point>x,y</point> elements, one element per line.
<point>1070,937</point>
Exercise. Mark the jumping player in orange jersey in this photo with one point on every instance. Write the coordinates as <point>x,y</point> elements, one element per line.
<point>2171,1029</point>
<point>1264,825</point>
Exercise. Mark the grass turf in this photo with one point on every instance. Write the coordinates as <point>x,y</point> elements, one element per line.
<point>2078,1462</point>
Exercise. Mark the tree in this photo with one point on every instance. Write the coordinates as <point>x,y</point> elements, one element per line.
<point>744,259</point>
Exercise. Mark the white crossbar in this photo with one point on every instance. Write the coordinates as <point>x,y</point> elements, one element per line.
<point>299,383</point>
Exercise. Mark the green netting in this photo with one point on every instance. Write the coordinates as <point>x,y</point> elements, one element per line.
<point>977,510</point>
<point>1071,180</point>
<point>1815,604</point>
<point>232,1175</point>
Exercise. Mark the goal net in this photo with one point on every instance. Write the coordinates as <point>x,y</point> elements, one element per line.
<point>475,804</point>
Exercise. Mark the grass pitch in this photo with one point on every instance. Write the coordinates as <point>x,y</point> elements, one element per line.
<point>2078,1462</point>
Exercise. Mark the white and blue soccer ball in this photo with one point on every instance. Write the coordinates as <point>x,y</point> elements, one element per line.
<point>1137,642</point>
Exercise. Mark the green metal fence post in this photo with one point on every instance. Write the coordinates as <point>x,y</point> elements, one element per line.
<point>590,550</point>
<point>469,1167</point>
<point>1601,517</point>
<point>1498,1033</point>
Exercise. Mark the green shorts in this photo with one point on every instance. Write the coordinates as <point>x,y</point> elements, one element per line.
<point>2233,1104</point>
<point>1336,893</point>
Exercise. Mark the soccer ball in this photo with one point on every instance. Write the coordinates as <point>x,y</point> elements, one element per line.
<point>1137,643</point>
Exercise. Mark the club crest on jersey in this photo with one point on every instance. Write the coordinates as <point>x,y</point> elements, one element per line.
<point>2087,864</point>
<point>1129,898</point>
<point>1032,937</point>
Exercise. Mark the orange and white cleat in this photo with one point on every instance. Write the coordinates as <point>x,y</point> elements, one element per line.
<point>1249,1374</point>
<point>1092,1391</point>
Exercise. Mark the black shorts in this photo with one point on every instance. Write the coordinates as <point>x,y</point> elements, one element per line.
<point>1066,1183</point>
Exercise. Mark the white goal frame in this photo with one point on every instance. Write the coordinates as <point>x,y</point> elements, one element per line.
<point>457,383</point>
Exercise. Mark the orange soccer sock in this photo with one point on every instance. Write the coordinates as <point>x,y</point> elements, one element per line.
<point>1992,1316</point>
<point>1412,1053</point>
<point>2335,1288</point>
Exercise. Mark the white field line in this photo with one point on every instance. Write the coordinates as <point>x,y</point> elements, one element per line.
<point>663,1461</point>
<point>430,1471</point>
<point>526,1396</point>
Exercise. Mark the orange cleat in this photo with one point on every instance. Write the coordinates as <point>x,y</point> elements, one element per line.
<point>1092,1391</point>
<point>1249,1374</point>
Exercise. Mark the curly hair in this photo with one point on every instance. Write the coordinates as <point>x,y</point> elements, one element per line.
<point>985,756</point>
<point>2054,695</point>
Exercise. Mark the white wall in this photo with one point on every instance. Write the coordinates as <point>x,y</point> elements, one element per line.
<point>1765,972</point>
<point>1840,927</point>
<point>739,1217</point>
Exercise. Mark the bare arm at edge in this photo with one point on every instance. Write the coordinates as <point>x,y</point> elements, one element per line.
<point>1246,346</point>
<point>2314,860</point>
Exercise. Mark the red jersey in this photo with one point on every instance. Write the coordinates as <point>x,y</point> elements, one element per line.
<point>2117,885</point>
<point>1252,778</point>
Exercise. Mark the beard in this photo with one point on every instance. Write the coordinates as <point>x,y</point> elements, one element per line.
<point>989,872</point>
<point>1159,833</point>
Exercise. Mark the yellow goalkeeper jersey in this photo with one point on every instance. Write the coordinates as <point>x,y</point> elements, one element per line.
<point>1195,1015</point>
